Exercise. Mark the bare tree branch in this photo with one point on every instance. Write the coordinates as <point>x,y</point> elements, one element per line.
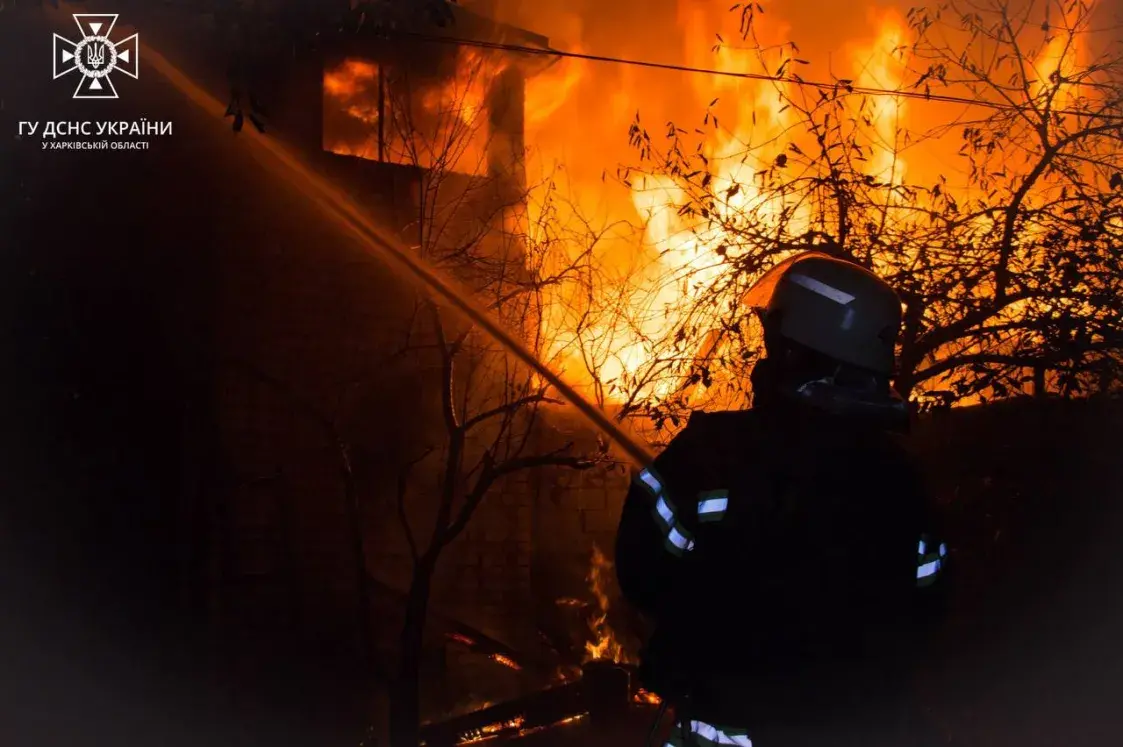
<point>510,408</point>
<point>403,488</point>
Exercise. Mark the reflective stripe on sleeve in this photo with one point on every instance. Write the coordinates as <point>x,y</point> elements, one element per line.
<point>679,541</point>
<point>648,479</point>
<point>676,539</point>
<point>664,511</point>
<point>701,734</point>
<point>712,505</point>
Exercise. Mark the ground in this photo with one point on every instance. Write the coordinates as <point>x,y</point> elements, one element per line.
<point>108,260</point>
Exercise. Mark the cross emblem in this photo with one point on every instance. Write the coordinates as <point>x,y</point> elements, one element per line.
<point>95,56</point>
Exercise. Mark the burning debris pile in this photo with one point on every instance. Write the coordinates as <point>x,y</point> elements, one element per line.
<point>603,694</point>
<point>600,686</point>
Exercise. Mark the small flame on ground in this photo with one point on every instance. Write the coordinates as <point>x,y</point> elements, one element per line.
<point>604,645</point>
<point>647,697</point>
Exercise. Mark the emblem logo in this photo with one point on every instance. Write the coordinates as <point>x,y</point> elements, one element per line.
<point>96,56</point>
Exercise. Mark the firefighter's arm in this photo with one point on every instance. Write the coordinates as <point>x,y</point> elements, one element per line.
<point>654,534</point>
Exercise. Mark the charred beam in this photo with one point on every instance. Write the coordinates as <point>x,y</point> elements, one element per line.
<point>537,710</point>
<point>603,695</point>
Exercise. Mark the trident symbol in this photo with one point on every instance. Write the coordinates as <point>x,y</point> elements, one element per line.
<point>95,55</point>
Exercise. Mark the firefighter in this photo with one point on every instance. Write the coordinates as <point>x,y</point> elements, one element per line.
<point>782,552</point>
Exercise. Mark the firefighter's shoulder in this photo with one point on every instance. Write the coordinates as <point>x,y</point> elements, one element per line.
<point>718,420</point>
<point>721,426</point>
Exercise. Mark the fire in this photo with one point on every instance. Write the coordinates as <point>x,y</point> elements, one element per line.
<point>646,697</point>
<point>550,89</point>
<point>435,122</point>
<point>883,66</point>
<point>613,339</point>
<point>684,252</point>
<point>604,644</point>
<point>352,89</point>
<point>1060,55</point>
<point>693,249</point>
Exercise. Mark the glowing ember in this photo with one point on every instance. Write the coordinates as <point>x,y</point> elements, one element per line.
<point>565,673</point>
<point>506,661</point>
<point>514,728</point>
<point>570,721</point>
<point>459,638</point>
<point>646,697</point>
<point>491,731</point>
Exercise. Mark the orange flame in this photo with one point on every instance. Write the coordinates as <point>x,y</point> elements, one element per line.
<point>441,123</point>
<point>604,644</point>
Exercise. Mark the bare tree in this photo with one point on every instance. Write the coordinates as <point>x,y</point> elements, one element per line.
<point>455,125</point>
<point>1044,240</point>
<point>491,416</point>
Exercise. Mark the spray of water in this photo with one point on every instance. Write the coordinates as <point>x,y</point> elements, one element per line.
<point>342,210</point>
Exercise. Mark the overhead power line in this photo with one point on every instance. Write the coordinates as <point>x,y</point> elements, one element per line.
<point>848,87</point>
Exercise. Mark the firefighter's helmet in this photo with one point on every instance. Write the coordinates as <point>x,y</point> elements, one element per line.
<point>832,307</point>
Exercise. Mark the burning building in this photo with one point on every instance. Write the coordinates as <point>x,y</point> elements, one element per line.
<point>426,125</point>
<point>429,134</point>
